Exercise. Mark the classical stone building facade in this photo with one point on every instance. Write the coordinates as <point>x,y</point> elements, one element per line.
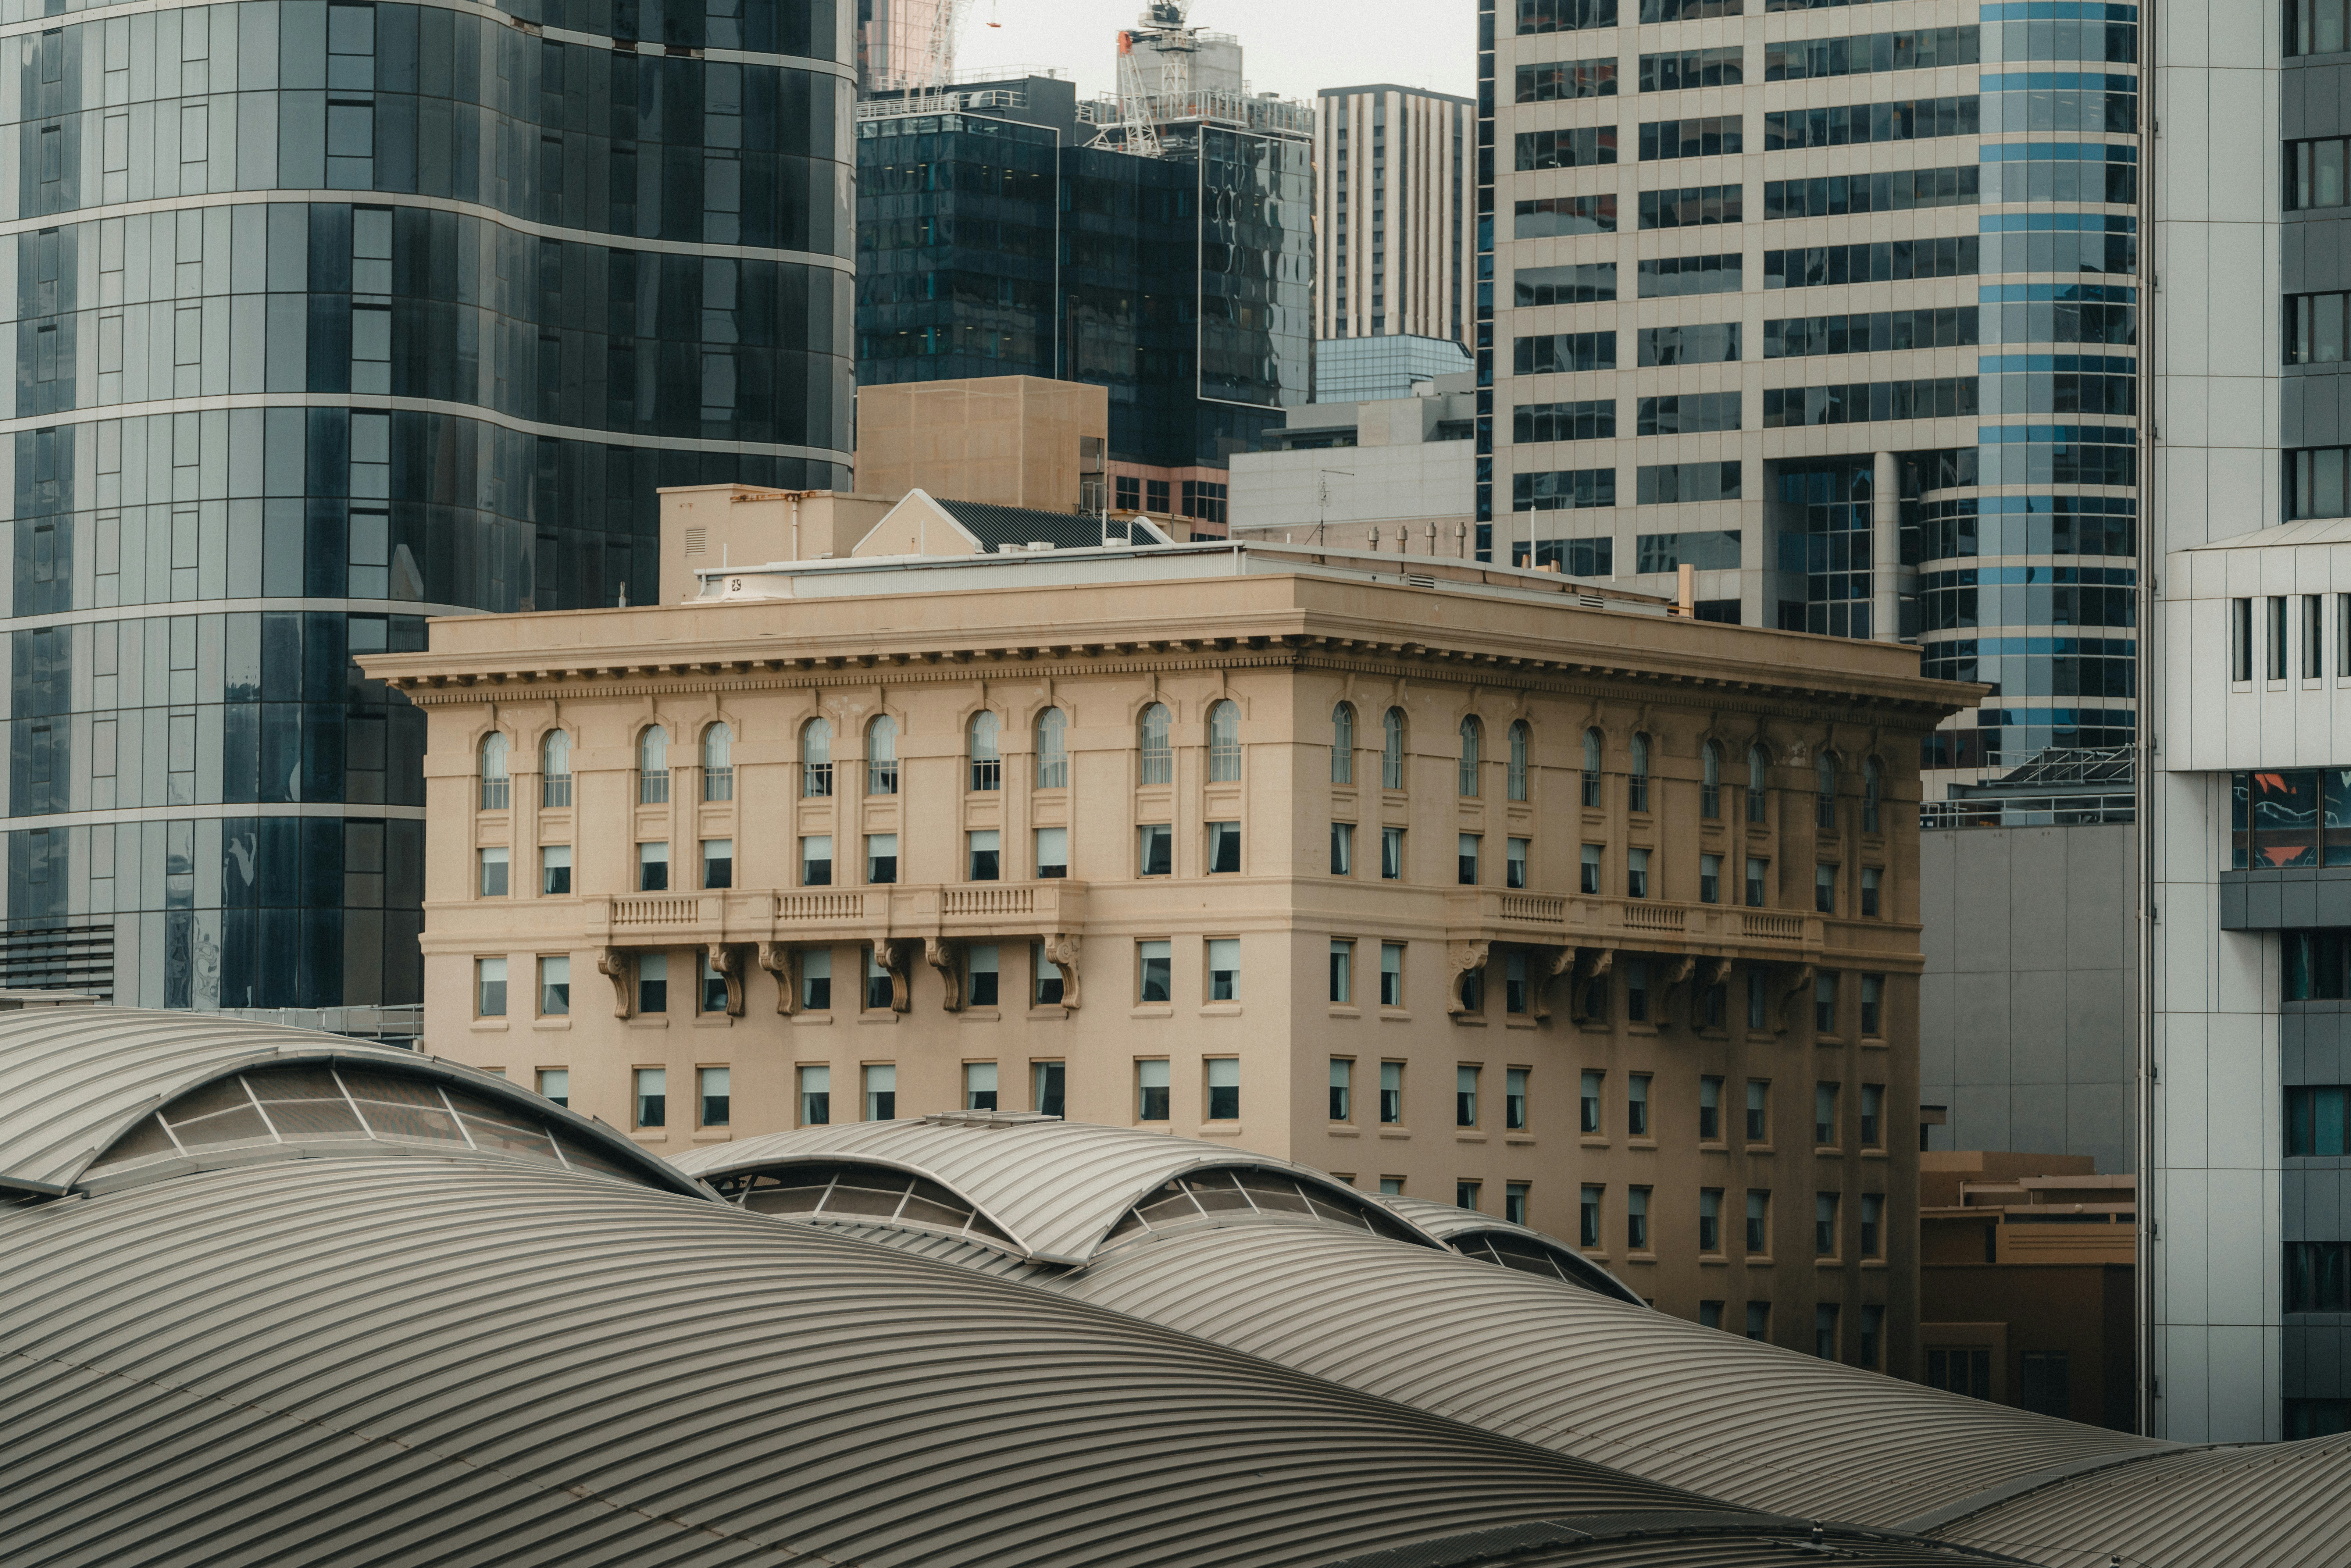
<point>1472,884</point>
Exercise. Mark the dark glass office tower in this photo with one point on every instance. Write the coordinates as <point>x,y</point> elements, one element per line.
<point>992,243</point>
<point>330,318</point>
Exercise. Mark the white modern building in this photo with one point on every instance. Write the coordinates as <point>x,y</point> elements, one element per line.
<point>1397,251</point>
<point>1386,474</point>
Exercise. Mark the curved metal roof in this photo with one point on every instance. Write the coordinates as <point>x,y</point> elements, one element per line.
<point>1456,1227</point>
<point>1055,1187</point>
<point>421,1362</point>
<point>2275,1505</point>
<point>75,1080</point>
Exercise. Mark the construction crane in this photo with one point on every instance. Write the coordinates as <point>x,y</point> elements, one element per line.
<point>946,26</point>
<point>1144,93</point>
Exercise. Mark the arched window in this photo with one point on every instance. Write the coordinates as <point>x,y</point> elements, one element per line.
<point>816,758</point>
<point>1392,750</point>
<point>1151,742</point>
<point>494,772</point>
<point>882,755</point>
<point>653,765</point>
<point>1594,745</point>
<point>1636,783</point>
<point>555,770</point>
<point>1825,813</point>
<point>1472,732</point>
<point>987,762</point>
<point>1343,745</point>
<point>1052,749</point>
<point>1757,771</point>
<point>1873,790</point>
<point>1225,743</point>
<point>1520,741</point>
<point>719,763</point>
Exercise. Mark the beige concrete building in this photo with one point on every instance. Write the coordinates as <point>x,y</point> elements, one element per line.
<point>1472,883</point>
<point>1013,440</point>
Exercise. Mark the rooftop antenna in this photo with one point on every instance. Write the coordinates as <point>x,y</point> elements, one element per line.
<point>1322,495</point>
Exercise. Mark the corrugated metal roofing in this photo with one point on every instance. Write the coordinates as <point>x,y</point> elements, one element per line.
<point>72,1080</point>
<point>1657,1541</point>
<point>1453,1225</point>
<point>1055,1187</point>
<point>2275,1505</point>
<point>997,526</point>
<point>408,1362</point>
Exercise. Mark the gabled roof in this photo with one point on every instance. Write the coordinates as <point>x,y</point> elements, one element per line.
<point>1055,1187</point>
<point>991,528</point>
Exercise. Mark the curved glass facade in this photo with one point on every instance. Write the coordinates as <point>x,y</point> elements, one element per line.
<point>329,318</point>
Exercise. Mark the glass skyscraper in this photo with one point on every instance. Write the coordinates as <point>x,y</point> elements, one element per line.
<point>330,318</point>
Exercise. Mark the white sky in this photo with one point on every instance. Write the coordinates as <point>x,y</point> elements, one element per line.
<point>1293,47</point>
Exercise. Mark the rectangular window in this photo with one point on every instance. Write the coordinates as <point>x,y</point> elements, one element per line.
<point>1758,1320</point>
<point>1873,1216</point>
<point>1710,879</point>
<point>2314,626</point>
<point>1637,874</point>
<point>881,859</point>
<point>1684,413</point>
<point>1575,149</point>
<point>1561,79</point>
<point>1673,277</point>
<point>1636,1220</point>
<point>652,1097</point>
<point>1590,419</point>
<point>1587,1227</point>
<point>1392,1093</point>
<point>1872,878</point>
<point>1514,865</point>
<point>979,1086</point>
<point>1464,1195</point>
<point>555,871</point>
<point>1224,969</point>
<point>1636,1106</point>
<point>1757,999</point>
<point>711,1083</point>
<point>1715,136</point>
<point>982,847</point>
<point>1546,216</point>
<point>653,982</point>
<point>555,986</point>
<point>1709,1219</point>
<point>1391,974</point>
<point>1391,854</point>
<point>1824,1226</point>
<point>1872,1336</point>
<point>1151,961</point>
<point>1465,1096</point>
<point>1581,283</point>
<point>1342,848</point>
<point>1825,1333</point>
<point>555,1085</point>
<point>1151,1090</point>
<point>492,883</point>
<point>1824,1004</point>
<point>2276,625</point>
<point>1052,852</point>
<point>1824,1115</point>
<point>2315,328</point>
<point>1466,863</point>
<point>816,979</point>
<point>2315,27</point>
<point>490,987</point>
<point>1589,881</point>
<point>815,860</point>
<point>1155,848</point>
<point>713,988</point>
<point>2318,1121</point>
<point>1343,959</point>
<point>717,862</point>
<point>1224,1088</point>
<point>1566,490</point>
<point>1759,1124</point>
<point>1637,991</point>
<point>1514,1100</point>
<point>1758,1218</point>
<point>2315,177</point>
<point>1224,848</point>
<point>1711,344</point>
<point>1045,978</point>
<point>1691,206</point>
<point>653,868</point>
<point>1588,1120</point>
<point>1514,1203</point>
<point>1691,68</point>
<point>1873,997</point>
<point>881,989</point>
<point>881,1093</point>
<point>1824,879</point>
<point>2240,639</point>
<point>1048,1087</point>
<point>1565,16</point>
<point>980,976</point>
<point>1709,1314</point>
<point>1343,1074</point>
<point>1710,1109</point>
<point>1562,354</point>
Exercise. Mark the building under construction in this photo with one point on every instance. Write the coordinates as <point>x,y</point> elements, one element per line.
<point>1157,242</point>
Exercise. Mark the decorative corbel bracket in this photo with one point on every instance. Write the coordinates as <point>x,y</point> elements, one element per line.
<point>1463,959</point>
<point>1062,949</point>
<point>1555,962</point>
<point>615,964</point>
<point>1675,978</point>
<point>896,958</point>
<point>728,963</point>
<point>784,964</point>
<point>947,958</point>
<point>1801,978</point>
<point>1591,964</point>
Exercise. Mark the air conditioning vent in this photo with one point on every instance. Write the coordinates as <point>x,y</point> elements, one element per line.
<point>697,541</point>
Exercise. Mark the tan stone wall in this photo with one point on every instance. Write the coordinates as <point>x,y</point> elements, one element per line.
<point>1284,651</point>
<point>1013,440</point>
